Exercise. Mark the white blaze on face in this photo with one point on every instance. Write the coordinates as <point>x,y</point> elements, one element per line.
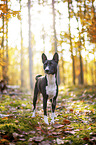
<point>47,68</point>
<point>51,88</point>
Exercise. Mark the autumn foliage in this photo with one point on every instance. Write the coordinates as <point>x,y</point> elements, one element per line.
<point>75,122</point>
<point>75,39</point>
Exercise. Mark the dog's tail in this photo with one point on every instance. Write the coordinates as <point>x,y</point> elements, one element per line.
<point>38,76</point>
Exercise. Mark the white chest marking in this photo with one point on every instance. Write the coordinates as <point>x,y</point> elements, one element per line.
<point>51,88</point>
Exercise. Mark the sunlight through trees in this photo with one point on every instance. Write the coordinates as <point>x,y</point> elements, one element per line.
<point>66,26</point>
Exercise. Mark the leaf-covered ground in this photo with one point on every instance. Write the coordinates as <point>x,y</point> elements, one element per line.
<point>75,122</point>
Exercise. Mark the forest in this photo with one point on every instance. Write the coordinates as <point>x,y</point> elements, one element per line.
<point>29,28</point>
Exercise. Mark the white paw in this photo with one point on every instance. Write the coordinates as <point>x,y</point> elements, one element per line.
<point>52,121</point>
<point>52,117</point>
<point>46,120</point>
<point>33,115</point>
<point>55,115</point>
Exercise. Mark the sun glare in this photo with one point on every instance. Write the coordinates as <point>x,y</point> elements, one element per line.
<point>41,27</point>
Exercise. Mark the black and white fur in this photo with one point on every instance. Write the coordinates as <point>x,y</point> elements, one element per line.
<point>47,86</point>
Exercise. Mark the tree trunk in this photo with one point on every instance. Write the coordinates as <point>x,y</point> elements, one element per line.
<point>30,50</point>
<point>3,67</point>
<point>63,77</point>
<point>55,38</point>
<point>80,57</point>
<point>22,65</point>
<point>86,72</point>
<point>81,69</point>
<point>95,64</point>
<point>7,43</point>
<point>71,47</point>
<point>81,78</point>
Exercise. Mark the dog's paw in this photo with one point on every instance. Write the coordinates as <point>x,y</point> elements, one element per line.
<point>52,121</point>
<point>46,120</point>
<point>33,115</point>
<point>53,115</point>
<point>52,118</point>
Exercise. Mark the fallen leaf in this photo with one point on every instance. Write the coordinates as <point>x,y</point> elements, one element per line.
<point>69,128</point>
<point>93,111</point>
<point>16,121</point>
<point>92,134</point>
<point>56,133</point>
<point>19,130</point>
<point>23,105</point>
<point>32,132</point>
<point>77,130</point>
<point>58,125</point>
<point>12,144</point>
<point>6,137</point>
<point>94,138</point>
<point>30,123</point>
<point>38,139</point>
<point>65,121</point>
<point>15,134</point>
<point>30,139</point>
<point>21,135</point>
<point>4,141</point>
<point>40,129</point>
<point>86,138</point>
<point>47,142</point>
<point>5,118</point>
<point>69,132</point>
<point>71,110</point>
<point>59,141</point>
<point>22,139</point>
<point>23,132</point>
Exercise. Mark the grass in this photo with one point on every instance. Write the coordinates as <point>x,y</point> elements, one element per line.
<point>75,122</point>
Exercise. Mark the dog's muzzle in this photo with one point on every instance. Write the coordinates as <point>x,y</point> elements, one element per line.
<point>47,69</point>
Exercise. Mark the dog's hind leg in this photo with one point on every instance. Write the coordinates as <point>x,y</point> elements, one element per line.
<point>35,99</point>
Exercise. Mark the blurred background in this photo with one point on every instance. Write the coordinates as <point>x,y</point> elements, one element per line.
<point>29,28</point>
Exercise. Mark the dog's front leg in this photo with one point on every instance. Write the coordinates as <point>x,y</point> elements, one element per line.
<point>45,98</point>
<point>53,109</point>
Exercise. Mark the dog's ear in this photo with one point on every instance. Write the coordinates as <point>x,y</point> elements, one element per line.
<point>44,58</point>
<point>56,57</point>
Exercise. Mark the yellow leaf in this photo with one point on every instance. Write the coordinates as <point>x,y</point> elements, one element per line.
<point>93,111</point>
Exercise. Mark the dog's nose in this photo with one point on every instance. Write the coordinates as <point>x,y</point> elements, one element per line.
<point>47,69</point>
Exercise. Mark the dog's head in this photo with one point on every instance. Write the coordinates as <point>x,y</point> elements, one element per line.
<point>50,66</point>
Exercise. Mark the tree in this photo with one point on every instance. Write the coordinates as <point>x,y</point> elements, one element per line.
<point>71,47</point>
<point>5,14</point>
<point>55,38</point>
<point>22,60</point>
<point>80,78</point>
<point>54,27</point>
<point>4,45</point>
<point>30,50</point>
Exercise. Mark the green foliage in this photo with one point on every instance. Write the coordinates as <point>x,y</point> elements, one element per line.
<point>75,122</point>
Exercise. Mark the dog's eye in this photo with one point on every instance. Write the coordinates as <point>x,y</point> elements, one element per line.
<point>45,64</point>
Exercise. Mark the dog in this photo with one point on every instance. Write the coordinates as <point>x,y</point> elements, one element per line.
<point>47,86</point>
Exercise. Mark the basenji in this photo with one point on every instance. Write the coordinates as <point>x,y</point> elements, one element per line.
<point>47,86</point>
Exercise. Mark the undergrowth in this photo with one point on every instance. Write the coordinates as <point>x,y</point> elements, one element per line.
<point>75,122</point>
